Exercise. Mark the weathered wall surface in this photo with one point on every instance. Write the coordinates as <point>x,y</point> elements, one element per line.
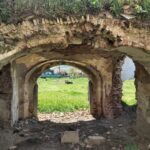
<point>143,97</point>
<point>99,68</point>
<point>34,42</point>
<point>94,31</point>
<point>5,95</point>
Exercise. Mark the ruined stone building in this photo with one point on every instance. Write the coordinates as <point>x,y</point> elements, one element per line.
<point>95,45</point>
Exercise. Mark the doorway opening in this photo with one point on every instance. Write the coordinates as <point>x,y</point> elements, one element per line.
<point>129,101</point>
<point>63,92</point>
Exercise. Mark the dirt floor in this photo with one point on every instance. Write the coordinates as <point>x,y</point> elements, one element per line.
<point>45,133</point>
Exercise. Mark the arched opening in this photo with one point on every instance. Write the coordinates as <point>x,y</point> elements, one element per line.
<point>142,72</point>
<point>101,76</point>
<point>129,100</point>
<point>62,89</point>
<point>31,88</point>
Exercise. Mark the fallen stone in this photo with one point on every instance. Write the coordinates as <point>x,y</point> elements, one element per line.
<point>111,127</point>
<point>96,140</point>
<point>120,125</point>
<point>88,146</point>
<point>70,137</point>
<point>108,133</point>
<point>13,148</point>
<point>149,147</point>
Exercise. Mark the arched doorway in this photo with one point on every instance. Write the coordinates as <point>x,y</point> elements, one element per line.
<point>63,90</point>
<point>97,66</point>
<point>31,86</point>
<point>129,100</point>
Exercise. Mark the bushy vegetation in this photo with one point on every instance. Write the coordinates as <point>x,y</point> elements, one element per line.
<point>52,8</point>
<point>4,11</point>
<point>56,96</point>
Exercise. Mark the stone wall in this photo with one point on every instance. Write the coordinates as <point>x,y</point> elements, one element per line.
<point>117,84</point>
<point>92,43</point>
<point>143,97</point>
<point>5,95</point>
<point>98,66</point>
<point>94,31</point>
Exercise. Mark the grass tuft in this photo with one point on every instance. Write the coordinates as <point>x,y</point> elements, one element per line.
<point>131,147</point>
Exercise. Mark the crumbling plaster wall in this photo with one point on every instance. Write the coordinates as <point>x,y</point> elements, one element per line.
<point>143,97</point>
<point>110,35</point>
<point>106,34</point>
<point>99,68</point>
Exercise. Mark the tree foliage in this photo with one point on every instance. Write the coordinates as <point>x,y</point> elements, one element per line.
<point>53,8</point>
<point>4,11</point>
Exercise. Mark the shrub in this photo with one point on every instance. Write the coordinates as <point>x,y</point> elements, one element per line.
<point>143,9</point>
<point>116,7</point>
<point>53,8</point>
<point>4,11</point>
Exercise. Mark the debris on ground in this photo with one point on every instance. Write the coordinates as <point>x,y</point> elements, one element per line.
<point>96,140</point>
<point>72,131</point>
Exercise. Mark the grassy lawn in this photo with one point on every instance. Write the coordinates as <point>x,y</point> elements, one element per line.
<point>129,92</point>
<point>56,96</point>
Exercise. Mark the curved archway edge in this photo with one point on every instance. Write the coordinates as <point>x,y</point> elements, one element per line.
<point>29,67</point>
<point>35,72</point>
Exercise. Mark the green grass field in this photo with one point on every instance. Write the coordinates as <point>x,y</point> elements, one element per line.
<point>56,96</point>
<point>129,92</point>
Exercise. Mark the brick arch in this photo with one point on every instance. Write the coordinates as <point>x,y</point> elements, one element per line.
<point>89,70</point>
<point>99,67</point>
<point>32,75</point>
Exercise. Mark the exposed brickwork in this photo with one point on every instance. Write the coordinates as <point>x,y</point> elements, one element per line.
<point>117,84</point>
